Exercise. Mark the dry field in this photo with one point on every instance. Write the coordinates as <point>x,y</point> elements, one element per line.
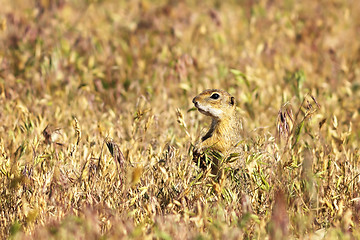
<point>97,125</point>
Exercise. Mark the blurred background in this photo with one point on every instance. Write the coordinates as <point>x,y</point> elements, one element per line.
<point>120,69</point>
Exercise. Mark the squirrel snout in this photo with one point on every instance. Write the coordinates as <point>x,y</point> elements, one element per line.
<point>196,103</point>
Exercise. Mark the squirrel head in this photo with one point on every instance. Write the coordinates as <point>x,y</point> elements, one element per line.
<point>215,103</point>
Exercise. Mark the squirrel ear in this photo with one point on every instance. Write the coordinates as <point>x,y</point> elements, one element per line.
<point>232,101</point>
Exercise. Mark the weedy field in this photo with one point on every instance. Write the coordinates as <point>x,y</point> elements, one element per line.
<point>97,126</point>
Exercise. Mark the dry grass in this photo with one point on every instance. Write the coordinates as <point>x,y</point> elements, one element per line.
<point>97,123</point>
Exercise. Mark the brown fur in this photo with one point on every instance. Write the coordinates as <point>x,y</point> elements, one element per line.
<point>225,130</point>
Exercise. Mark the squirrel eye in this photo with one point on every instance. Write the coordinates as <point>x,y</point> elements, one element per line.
<point>215,96</point>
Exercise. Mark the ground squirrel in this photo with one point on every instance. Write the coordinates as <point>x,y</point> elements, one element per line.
<point>226,127</point>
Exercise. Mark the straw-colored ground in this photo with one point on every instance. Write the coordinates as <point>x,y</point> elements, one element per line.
<point>114,80</point>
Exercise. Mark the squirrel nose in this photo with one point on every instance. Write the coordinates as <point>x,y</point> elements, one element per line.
<point>195,102</point>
